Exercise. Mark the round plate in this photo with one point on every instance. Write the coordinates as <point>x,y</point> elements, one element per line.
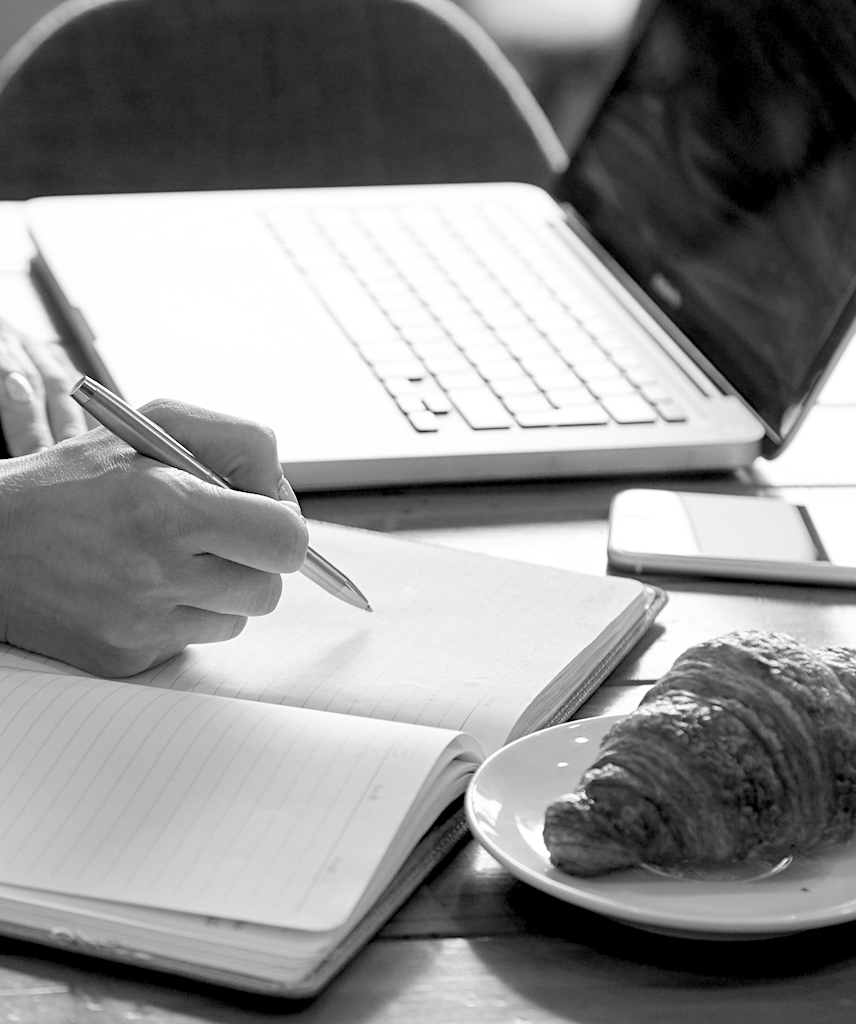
<point>505,805</point>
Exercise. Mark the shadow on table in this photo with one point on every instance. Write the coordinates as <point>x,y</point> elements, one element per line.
<point>499,503</point>
<point>38,983</point>
<point>602,972</point>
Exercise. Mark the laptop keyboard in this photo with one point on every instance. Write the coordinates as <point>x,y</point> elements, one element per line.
<point>463,312</point>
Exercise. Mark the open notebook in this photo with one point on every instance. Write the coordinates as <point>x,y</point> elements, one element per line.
<point>260,842</point>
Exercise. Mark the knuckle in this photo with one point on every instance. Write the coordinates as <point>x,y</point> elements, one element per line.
<point>159,509</point>
<point>162,406</point>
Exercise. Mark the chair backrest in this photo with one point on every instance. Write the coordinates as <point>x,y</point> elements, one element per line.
<point>152,95</point>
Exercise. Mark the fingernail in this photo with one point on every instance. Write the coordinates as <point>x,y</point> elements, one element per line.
<point>285,492</point>
<point>18,388</point>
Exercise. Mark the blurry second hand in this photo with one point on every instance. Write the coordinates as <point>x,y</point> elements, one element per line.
<point>150,439</point>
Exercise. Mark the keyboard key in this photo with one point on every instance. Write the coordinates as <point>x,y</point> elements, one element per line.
<point>624,357</point>
<point>435,348</point>
<point>384,351</point>
<point>629,409</point>
<point>452,362</point>
<point>671,412</point>
<point>640,374</point>
<point>414,317</point>
<point>409,403</point>
<point>656,393</point>
<point>460,322</point>
<point>510,316</point>
<point>547,364</point>
<point>471,339</point>
<point>425,422</point>
<point>555,322</point>
<point>500,369</point>
<point>612,342</point>
<point>611,386</point>
<point>532,348</point>
<point>434,398</point>
<point>566,334</point>
<point>412,369</point>
<point>425,332</point>
<point>573,416</point>
<point>452,307</point>
<point>399,386</point>
<point>520,334</point>
<point>580,353</point>
<point>481,408</point>
<point>601,370</point>
<point>526,403</point>
<point>487,353</point>
<point>597,325</point>
<point>460,380</point>
<point>561,381</point>
<point>519,385</point>
<point>562,397</point>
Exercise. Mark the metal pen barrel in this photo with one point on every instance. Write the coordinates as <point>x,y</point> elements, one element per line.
<point>149,439</point>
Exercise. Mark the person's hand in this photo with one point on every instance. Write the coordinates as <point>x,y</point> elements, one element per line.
<point>36,410</point>
<point>113,562</point>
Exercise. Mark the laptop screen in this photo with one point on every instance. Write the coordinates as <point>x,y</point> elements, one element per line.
<point>721,174</point>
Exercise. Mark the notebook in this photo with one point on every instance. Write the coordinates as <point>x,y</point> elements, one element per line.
<point>674,304</point>
<point>250,813</point>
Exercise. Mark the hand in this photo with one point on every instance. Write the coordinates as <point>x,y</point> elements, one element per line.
<point>113,562</point>
<point>36,410</point>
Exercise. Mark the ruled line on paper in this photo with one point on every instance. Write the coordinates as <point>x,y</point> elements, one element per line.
<point>215,807</point>
<point>65,798</point>
<point>456,639</point>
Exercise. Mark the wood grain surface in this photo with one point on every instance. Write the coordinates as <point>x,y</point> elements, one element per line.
<point>474,945</point>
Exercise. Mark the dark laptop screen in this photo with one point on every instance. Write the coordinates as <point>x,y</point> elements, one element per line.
<point>721,174</point>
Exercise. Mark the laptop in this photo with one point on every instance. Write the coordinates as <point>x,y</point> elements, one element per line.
<point>674,305</point>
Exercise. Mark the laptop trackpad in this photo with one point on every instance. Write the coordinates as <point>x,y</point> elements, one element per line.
<point>253,344</point>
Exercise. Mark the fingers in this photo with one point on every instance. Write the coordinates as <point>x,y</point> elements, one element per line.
<point>35,408</point>
<point>65,416</point>
<point>243,452</point>
<point>242,526</point>
<point>114,562</point>
<point>215,585</point>
<point>248,529</point>
<point>187,626</point>
<point>23,414</point>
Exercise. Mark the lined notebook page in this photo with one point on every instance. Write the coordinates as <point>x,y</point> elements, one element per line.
<point>213,807</point>
<point>456,639</point>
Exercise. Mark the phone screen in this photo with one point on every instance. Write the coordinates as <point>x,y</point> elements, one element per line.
<point>728,535</point>
<point>725,526</point>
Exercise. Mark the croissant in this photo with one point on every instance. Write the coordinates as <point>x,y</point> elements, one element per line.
<point>745,751</point>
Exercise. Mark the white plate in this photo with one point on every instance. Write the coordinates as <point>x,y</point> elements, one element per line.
<point>505,805</point>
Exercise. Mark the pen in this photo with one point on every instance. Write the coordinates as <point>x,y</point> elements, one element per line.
<point>146,437</point>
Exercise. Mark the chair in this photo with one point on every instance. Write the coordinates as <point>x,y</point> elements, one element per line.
<point>564,49</point>
<point>153,95</point>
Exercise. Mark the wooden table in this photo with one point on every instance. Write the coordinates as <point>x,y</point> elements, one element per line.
<point>474,945</point>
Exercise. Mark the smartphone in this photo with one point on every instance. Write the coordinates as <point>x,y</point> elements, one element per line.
<point>731,536</point>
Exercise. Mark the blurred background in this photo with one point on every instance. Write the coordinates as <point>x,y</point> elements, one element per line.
<point>563,48</point>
